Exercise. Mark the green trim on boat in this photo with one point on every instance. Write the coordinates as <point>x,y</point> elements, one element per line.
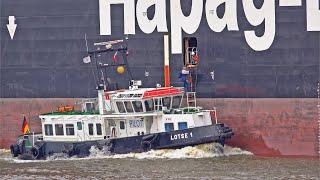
<point>72,113</point>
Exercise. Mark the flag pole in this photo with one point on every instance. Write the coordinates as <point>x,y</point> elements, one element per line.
<point>29,121</point>
<point>32,138</point>
<point>23,117</point>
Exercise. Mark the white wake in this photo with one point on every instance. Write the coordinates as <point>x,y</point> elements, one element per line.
<point>201,151</point>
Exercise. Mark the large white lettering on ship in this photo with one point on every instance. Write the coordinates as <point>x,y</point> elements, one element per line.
<point>190,24</point>
<point>313,15</point>
<point>158,21</point>
<point>229,19</point>
<point>266,15</point>
<point>105,16</point>
<point>180,22</point>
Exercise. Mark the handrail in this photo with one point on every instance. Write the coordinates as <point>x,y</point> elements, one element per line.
<point>106,50</point>
<point>27,134</point>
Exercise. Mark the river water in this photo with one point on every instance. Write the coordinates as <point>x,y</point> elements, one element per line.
<point>201,162</point>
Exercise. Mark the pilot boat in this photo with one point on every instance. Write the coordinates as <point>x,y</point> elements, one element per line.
<point>133,120</point>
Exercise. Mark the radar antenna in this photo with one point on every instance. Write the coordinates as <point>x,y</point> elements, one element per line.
<point>116,47</point>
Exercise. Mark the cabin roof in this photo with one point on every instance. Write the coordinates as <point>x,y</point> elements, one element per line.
<point>145,93</point>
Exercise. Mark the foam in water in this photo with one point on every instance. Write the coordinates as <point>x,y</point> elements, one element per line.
<point>200,151</point>
<point>4,151</point>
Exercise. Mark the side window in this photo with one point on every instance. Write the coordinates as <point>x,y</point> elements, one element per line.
<point>166,102</point>
<point>168,127</point>
<point>59,129</point>
<point>90,126</point>
<point>122,125</point>
<point>121,107</point>
<point>137,106</point>
<point>48,130</point>
<point>79,125</point>
<point>70,129</point>
<point>149,105</point>
<point>158,104</point>
<point>99,130</point>
<point>128,106</point>
<point>182,125</point>
<point>176,101</point>
<point>89,107</point>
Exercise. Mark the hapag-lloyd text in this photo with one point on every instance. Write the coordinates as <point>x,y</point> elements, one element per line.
<point>189,24</point>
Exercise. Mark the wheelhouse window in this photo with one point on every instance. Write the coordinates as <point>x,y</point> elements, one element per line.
<point>168,127</point>
<point>89,107</point>
<point>176,101</point>
<point>48,130</point>
<point>182,125</point>
<point>149,105</point>
<point>90,127</point>
<point>166,102</point>
<point>121,107</point>
<point>99,130</point>
<point>128,106</point>
<point>122,125</point>
<point>158,104</point>
<point>79,125</point>
<point>59,129</point>
<point>70,129</point>
<point>137,105</point>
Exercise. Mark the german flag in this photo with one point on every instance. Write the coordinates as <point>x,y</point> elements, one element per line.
<point>25,126</point>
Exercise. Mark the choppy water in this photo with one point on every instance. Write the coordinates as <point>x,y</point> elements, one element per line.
<point>201,162</point>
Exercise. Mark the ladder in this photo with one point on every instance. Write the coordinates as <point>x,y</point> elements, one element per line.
<point>191,99</point>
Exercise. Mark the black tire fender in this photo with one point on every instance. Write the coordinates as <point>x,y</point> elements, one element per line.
<point>15,150</point>
<point>35,152</point>
<point>146,145</point>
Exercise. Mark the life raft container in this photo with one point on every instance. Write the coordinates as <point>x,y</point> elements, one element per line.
<point>63,109</point>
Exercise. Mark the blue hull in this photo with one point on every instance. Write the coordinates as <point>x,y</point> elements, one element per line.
<point>166,140</point>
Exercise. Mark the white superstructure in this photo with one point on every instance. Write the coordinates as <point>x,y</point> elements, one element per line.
<point>125,113</point>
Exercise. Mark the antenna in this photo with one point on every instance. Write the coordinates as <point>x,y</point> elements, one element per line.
<point>103,47</point>
<point>85,38</point>
<point>88,59</point>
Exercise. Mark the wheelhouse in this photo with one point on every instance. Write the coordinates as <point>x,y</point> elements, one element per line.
<point>147,100</point>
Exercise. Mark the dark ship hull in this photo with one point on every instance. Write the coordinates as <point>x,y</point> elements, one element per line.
<point>136,144</point>
<point>44,61</point>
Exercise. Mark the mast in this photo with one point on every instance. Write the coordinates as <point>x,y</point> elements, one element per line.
<point>101,67</point>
